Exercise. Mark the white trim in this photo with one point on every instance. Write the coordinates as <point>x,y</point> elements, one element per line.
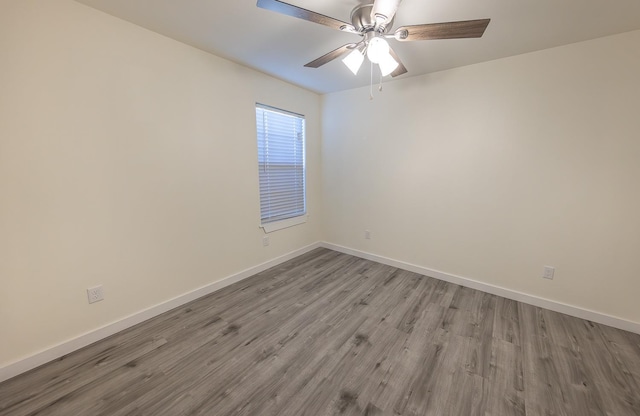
<point>57,351</point>
<point>66,347</point>
<point>552,305</point>
<point>282,224</point>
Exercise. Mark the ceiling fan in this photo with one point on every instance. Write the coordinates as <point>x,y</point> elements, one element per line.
<point>373,22</point>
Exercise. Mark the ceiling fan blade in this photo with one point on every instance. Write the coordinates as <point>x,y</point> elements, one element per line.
<point>400,69</point>
<point>334,54</point>
<point>300,13</point>
<point>449,30</point>
<point>384,10</point>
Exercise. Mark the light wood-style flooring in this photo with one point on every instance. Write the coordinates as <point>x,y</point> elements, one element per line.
<point>331,334</point>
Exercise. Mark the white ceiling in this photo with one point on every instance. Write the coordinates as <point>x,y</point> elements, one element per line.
<point>280,45</point>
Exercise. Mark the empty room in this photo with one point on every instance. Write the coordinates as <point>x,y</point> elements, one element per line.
<point>319,207</point>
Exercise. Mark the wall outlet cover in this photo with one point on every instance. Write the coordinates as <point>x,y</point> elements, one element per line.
<point>95,294</point>
<point>548,272</point>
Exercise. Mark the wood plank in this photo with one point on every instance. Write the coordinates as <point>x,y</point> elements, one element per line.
<point>506,325</point>
<point>505,394</point>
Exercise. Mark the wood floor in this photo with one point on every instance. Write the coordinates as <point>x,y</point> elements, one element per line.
<point>331,334</point>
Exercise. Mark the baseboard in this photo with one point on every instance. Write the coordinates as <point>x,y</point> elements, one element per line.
<point>571,310</point>
<point>57,351</point>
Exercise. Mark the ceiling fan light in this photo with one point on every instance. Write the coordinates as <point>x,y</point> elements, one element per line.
<point>353,61</point>
<point>377,49</point>
<point>387,64</point>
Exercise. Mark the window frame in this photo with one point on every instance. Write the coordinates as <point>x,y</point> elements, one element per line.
<point>299,217</point>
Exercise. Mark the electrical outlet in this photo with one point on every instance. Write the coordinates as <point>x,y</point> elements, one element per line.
<point>265,240</point>
<point>548,272</point>
<point>95,294</point>
<point>367,235</point>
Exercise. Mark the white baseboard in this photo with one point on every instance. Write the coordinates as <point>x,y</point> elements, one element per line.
<point>571,310</point>
<point>57,351</point>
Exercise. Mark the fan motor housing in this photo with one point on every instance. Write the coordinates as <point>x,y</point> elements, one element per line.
<point>363,22</point>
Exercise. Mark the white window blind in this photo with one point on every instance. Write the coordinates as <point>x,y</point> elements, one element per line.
<point>281,164</point>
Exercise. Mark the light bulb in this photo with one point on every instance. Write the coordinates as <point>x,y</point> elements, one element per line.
<point>387,64</point>
<point>353,61</point>
<point>377,49</point>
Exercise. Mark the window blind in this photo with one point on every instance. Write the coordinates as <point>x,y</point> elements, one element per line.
<point>281,164</point>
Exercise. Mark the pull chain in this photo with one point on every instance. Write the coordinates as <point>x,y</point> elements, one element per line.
<point>371,83</point>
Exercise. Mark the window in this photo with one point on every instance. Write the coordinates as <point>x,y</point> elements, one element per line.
<point>281,167</point>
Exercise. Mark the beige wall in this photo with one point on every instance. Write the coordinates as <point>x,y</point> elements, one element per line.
<point>494,170</point>
<point>129,160</point>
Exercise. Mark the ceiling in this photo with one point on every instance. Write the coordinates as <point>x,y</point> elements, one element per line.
<point>280,45</point>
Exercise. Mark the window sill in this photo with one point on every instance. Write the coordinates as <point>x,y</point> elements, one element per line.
<point>280,225</point>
